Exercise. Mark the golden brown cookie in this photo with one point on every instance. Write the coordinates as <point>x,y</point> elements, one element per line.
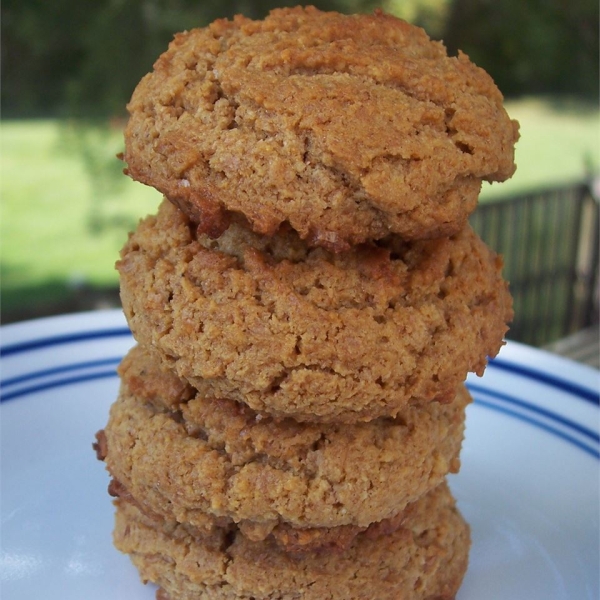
<point>292,540</point>
<point>347,128</point>
<point>303,332</point>
<point>425,559</point>
<point>206,461</point>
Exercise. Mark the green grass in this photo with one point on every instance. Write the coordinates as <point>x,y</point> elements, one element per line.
<point>65,209</point>
<point>63,217</point>
<point>559,144</point>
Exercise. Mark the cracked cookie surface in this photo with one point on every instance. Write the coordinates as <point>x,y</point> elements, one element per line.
<point>347,128</point>
<point>297,542</point>
<point>208,462</point>
<point>303,332</point>
<point>425,559</point>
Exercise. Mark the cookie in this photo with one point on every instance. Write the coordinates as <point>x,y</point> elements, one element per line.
<point>347,128</point>
<point>292,540</point>
<point>300,331</point>
<point>208,462</point>
<point>424,559</point>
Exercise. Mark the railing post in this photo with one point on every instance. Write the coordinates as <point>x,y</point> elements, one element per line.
<point>585,284</point>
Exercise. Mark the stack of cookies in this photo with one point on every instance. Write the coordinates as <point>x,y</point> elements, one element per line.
<point>307,303</point>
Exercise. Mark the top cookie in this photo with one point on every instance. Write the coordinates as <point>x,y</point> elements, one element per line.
<point>346,127</point>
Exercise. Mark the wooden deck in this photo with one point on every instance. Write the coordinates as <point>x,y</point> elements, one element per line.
<point>583,346</point>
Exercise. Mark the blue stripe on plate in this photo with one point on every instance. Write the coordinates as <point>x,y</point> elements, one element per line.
<point>11,381</point>
<point>475,389</point>
<point>563,384</point>
<point>499,363</point>
<point>547,428</point>
<point>84,336</point>
<point>42,387</point>
<point>536,409</point>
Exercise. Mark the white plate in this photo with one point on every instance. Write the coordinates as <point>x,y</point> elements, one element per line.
<point>529,484</point>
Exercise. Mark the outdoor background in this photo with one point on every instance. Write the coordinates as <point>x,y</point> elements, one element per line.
<point>69,67</point>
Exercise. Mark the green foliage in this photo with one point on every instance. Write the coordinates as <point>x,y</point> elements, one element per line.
<point>429,14</point>
<point>530,47</point>
<point>41,49</point>
<point>78,57</point>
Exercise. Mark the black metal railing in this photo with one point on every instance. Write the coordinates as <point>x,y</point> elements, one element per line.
<point>549,241</point>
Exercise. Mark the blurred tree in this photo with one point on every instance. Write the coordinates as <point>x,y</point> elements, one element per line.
<point>39,53</point>
<point>82,60</point>
<point>78,57</point>
<point>119,45</point>
<point>85,57</point>
<point>532,47</point>
<point>429,14</point>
